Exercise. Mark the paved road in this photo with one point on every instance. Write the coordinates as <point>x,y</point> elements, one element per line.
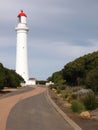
<point>35,113</point>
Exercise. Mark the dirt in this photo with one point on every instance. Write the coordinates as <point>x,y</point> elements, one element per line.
<point>85,124</point>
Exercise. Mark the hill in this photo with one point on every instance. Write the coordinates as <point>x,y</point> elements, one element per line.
<point>81,71</point>
<point>9,78</point>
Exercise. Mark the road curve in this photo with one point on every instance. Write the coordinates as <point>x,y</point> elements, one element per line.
<point>7,103</point>
<point>35,113</point>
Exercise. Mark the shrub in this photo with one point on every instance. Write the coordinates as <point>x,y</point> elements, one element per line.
<point>77,106</point>
<point>58,91</point>
<point>64,95</point>
<point>53,87</point>
<point>69,98</point>
<point>62,87</point>
<point>89,100</point>
<point>74,96</point>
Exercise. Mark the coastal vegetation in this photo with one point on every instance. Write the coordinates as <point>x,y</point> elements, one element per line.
<point>77,83</point>
<point>83,71</point>
<point>9,78</point>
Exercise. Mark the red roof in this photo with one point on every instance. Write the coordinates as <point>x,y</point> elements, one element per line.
<point>22,14</point>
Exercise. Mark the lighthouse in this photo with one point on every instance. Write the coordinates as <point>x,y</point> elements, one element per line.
<point>21,50</point>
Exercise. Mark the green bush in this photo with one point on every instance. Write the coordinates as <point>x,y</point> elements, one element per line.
<point>74,96</point>
<point>89,100</point>
<point>62,87</point>
<point>58,91</point>
<point>77,106</point>
<point>64,95</point>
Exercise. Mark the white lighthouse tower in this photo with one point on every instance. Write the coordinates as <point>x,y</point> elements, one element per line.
<point>21,51</point>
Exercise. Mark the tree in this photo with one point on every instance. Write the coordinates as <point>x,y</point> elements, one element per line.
<point>12,78</point>
<point>81,71</point>
<point>2,77</point>
<point>56,77</point>
<point>73,73</point>
<point>9,78</point>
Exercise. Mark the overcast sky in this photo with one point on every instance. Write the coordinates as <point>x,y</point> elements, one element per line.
<point>59,32</point>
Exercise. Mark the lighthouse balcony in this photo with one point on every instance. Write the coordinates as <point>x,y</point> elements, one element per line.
<point>22,26</point>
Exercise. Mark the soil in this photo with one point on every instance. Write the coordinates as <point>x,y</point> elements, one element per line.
<point>85,124</point>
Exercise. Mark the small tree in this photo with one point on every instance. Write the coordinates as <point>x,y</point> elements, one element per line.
<point>77,106</point>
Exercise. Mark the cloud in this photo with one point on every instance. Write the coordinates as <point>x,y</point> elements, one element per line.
<point>60,31</point>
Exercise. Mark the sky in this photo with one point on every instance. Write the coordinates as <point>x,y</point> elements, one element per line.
<point>59,32</point>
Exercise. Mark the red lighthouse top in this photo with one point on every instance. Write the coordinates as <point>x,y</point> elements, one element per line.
<point>22,14</point>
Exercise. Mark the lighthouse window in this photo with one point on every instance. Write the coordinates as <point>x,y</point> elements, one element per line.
<point>23,47</point>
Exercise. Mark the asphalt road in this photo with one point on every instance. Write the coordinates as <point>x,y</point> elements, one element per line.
<point>35,113</point>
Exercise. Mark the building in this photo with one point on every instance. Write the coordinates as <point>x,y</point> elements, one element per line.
<point>21,50</point>
<point>31,81</point>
